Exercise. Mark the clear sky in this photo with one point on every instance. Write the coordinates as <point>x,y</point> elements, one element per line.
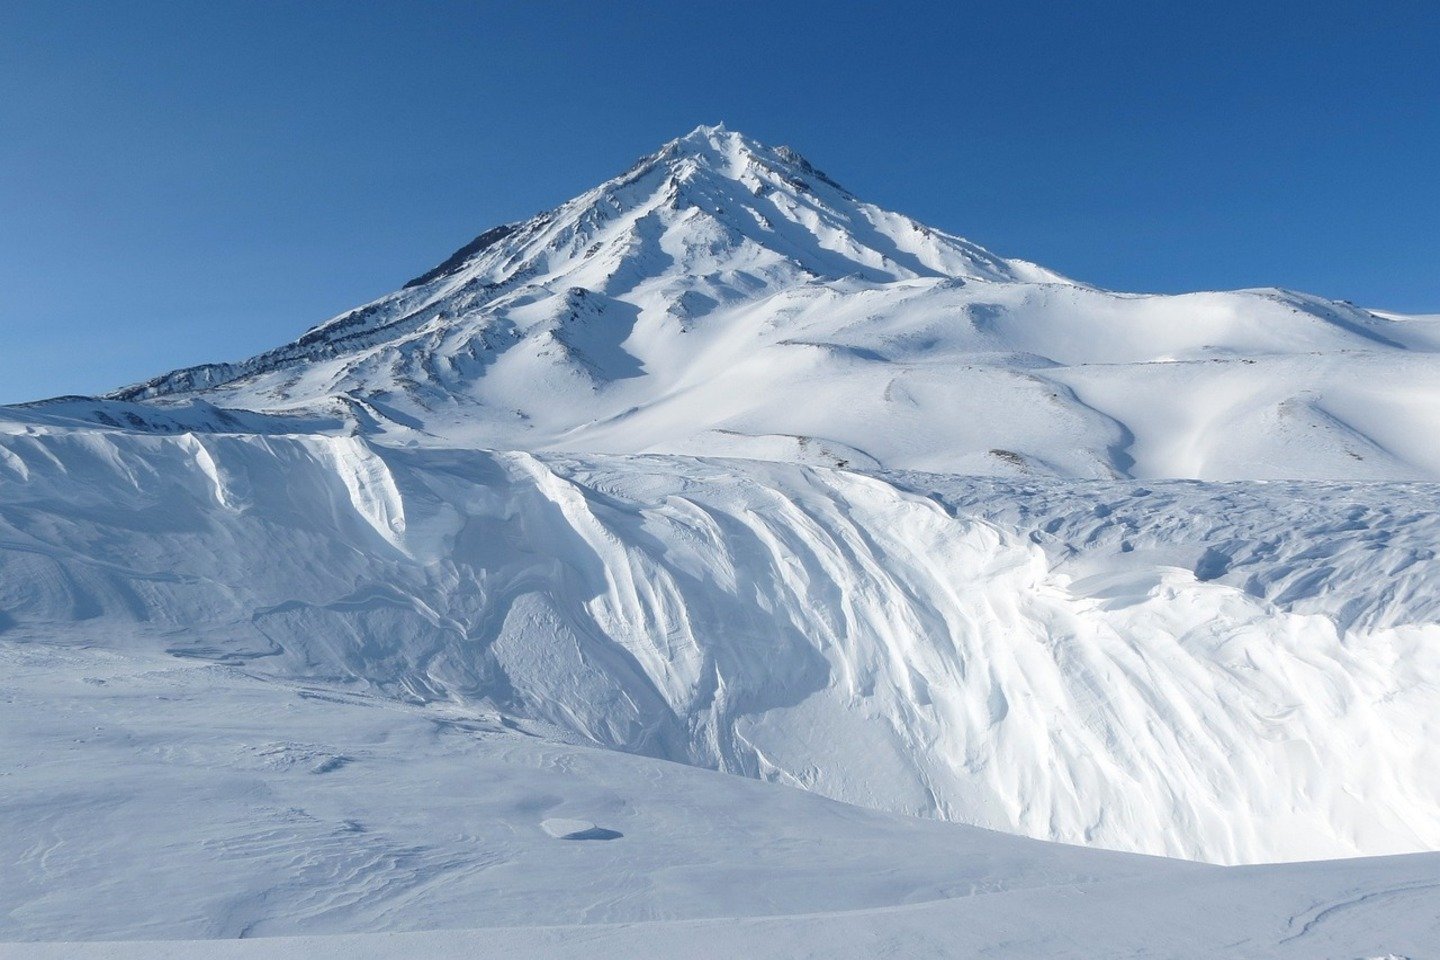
<point>185,181</point>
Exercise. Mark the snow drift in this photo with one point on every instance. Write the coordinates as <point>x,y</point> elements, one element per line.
<point>845,633</point>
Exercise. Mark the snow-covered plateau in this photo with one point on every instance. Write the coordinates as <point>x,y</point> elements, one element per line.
<point>1028,619</point>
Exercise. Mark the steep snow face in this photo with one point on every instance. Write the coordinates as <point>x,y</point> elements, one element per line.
<point>869,638</point>
<point>727,298</point>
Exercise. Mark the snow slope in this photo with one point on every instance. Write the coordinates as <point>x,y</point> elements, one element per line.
<point>212,813</point>
<point>816,627</point>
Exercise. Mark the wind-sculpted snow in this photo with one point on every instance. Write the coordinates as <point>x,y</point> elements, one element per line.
<point>988,652</point>
<point>156,798</point>
<point>1362,554</point>
<point>161,798</point>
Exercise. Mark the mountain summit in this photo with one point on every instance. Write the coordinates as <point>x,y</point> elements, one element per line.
<point>724,297</point>
<point>717,203</point>
<point>711,218</point>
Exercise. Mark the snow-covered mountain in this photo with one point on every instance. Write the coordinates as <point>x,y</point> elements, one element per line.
<point>726,298</point>
<point>719,464</point>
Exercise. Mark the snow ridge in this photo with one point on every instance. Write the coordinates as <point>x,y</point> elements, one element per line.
<point>846,633</point>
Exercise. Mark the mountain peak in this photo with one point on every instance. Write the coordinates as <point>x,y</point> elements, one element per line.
<point>730,154</point>
<point>713,217</point>
<point>712,139</point>
<point>706,132</point>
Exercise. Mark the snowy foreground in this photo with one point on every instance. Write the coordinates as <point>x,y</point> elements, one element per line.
<point>718,565</point>
<point>164,799</point>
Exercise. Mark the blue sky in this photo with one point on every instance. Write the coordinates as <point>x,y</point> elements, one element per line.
<point>182,182</point>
